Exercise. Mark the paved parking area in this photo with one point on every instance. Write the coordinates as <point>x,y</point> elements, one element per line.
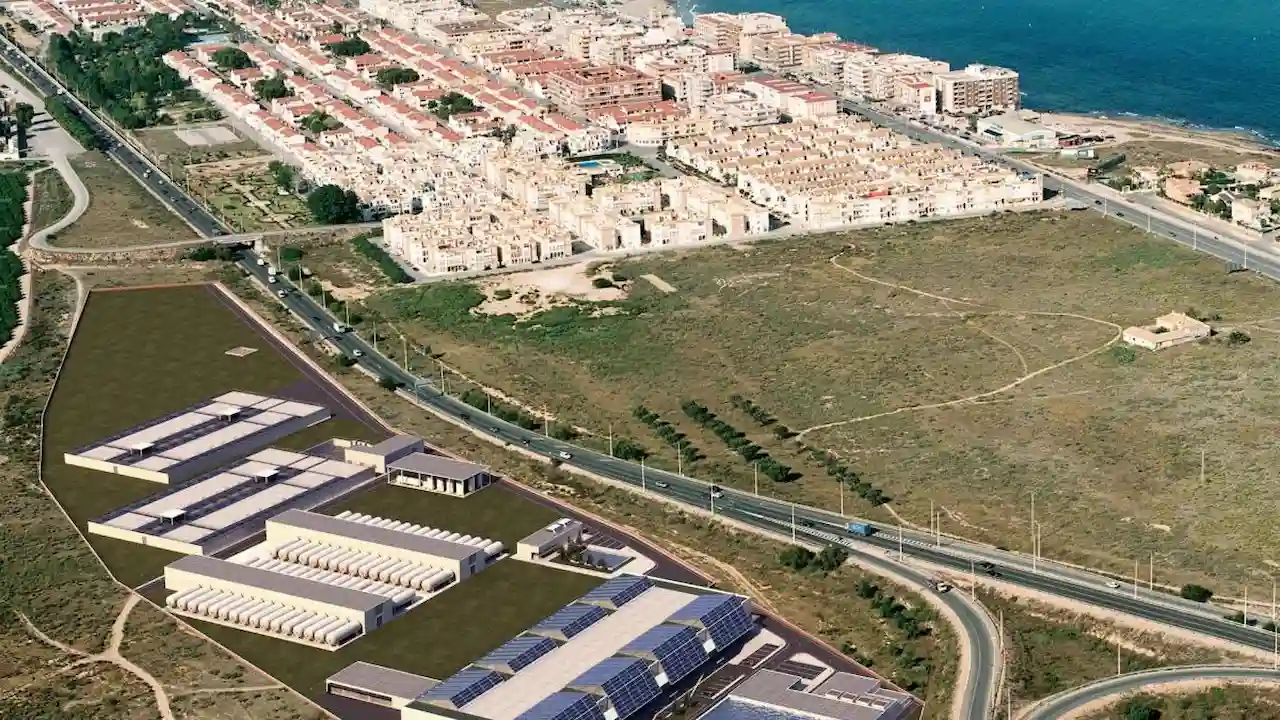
<point>604,540</point>
<point>720,681</point>
<point>759,655</point>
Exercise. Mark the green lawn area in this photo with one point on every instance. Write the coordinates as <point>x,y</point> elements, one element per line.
<point>435,639</point>
<point>961,365</point>
<point>51,199</point>
<point>249,201</point>
<point>495,513</point>
<point>140,354</point>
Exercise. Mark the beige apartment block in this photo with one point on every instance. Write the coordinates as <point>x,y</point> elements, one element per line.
<point>736,110</point>
<point>600,230</point>
<point>534,183</point>
<point>787,53</point>
<point>729,214</point>
<point>658,132</point>
<point>872,76</point>
<point>1181,190</point>
<point>1167,331</point>
<point>584,89</point>
<point>825,64</point>
<point>459,240</point>
<point>844,172</point>
<point>724,30</point>
<point>978,90</point>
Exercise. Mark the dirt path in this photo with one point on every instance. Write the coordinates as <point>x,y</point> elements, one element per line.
<point>976,396</point>
<point>111,654</point>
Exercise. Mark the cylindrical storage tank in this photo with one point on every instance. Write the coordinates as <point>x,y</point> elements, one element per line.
<point>300,631</point>
<point>465,540</point>
<point>325,561</point>
<point>335,562</point>
<point>189,603</point>
<point>237,615</point>
<point>319,634</point>
<point>343,632</point>
<point>386,523</point>
<point>384,572</point>
<point>424,530</point>
<point>395,525</point>
<point>292,555</point>
<point>344,515</point>
<point>317,560</point>
<point>401,574</point>
<point>363,585</point>
<point>477,542</point>
<point>291,623</point>
<point>261,607</point>
<point>284,549</point>
<point>437,534</point>
<point>304,558</point>
<point>375,572</point>
<point>493,549</point>
<point>452,537</point>
<point>439,580</point>
<point>276,614</point>
<point>308,573</point>
<point>177,598</point>
<point>345,564</point>
<point>415,529</point>
<point>202,605</point>
<point>402,598</point>
<point>229,611</point>
<point>419,580</point>
<point>314,631</point>
<point>410,577</point>
<point>258,561</point>
<point>220,611</point>
<point>363,568</point>
<point>356,517</point>
<point>277,624</point>
<point>263,613</point>
<point>215,608</point>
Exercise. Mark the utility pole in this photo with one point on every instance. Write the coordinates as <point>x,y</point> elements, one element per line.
<point>642,474</point>
<point>756,474</point>
<point>841,483</point>
<point>1135,578</point>
<point>680,458</point>
<point>1151,573</point>
<point>1244,617</point>
<point>404,348</point>
<point>1201,466</point>
<point>973,581</point>
<point>546,422</point>
<point>1118,670</point>
<point>1035,549</point>
<point>937,531</point>
<point>441,375</point>
<point>931,515</point>
<point>610,439</point>
<point>346,307</point>
<point>793,522</point>
<point>899,542</point>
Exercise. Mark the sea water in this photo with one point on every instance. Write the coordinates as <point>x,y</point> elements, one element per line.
<point>1211,64</point>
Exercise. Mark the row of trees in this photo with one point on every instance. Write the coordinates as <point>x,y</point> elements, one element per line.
<point>271,88</point>
<point>481,400</point>
<point>761,416</point>
<point>801,559</point>
<point>738,442</point>
<point>668,433</point>
<point>61,112</point>
<point>13,194</point>
<point>333,205</point>
<point>387,264</point>
<point>122,73</point>
<point>850,477</point>
<point>912,623</point>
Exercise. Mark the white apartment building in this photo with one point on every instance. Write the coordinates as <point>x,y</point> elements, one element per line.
<point>726,29</point>
<point>978,90</point>
<point>844,172</point>
<point>793,99</point>
<point>872,76</point>
<point>736,110</point>
<point>460,239</point>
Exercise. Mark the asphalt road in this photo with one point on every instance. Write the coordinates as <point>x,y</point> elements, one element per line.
<point>1062,704</point>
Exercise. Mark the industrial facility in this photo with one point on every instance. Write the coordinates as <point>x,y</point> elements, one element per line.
<point>205,436</point>
<point>602,657</point>
<point>773,695</point>
<point>544,541</point>
<point>403,460</point>
<point>324,581</point>
<point>227,506</point>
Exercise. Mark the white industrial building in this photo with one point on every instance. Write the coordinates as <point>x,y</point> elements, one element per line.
<point>603,657</point>
<point>301,608</point>
<point>548,539</point>
<point>388,451</point>
<point>212,513</point>
<point>205,436</point>
<point>394,541</point>
<point>436,473</point>
<point>378,684</point>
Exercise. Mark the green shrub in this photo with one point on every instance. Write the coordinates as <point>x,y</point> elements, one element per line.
<point>384,261</point>
<point>601,282</point>
<point>1124,354</point>
<point>1198,593</point>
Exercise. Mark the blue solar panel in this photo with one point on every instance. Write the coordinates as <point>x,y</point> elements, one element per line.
<point>572,619</point>
<point>619,591</point>
<point>519,653</point>
<point>729,625</point>
<point>676,647</point>
<point>565,706</point>
<point>706,609</point>
<point>625,681</point>
<point>464,686</point>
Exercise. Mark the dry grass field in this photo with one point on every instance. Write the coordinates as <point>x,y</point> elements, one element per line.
<point>121,213</point>
<point>965,364</point>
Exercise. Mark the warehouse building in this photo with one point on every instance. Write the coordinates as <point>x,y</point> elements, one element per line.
<point>603,657</point>
<point>205,436</point>
<point>309,534</point>
<point>549,539</point>
<point>228,506</point>
<point>436,473</point>
<point>379,455</point>
<point>773,695</point>
<point>311,610</point>
<point>378,685</point>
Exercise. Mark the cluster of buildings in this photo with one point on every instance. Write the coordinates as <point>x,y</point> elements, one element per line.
<point>1248,195</point>
<point>101,16</point>
<point>840,172</point>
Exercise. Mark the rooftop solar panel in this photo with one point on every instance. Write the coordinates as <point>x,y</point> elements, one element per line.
<point>619,591</point>
<point>519,653</point>
<point>464,686</point>
<point>625,681</point>
<point>564,706</point>
<point>677,649</point>
<point>706,609</point>
<point>572,619</point>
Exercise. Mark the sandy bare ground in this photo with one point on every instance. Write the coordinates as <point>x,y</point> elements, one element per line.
<point>1169,688</point>
<point>534,292</point>
<point>1127,130</point>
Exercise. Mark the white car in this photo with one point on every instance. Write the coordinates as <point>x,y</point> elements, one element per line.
<point>1113,584</point>
<point>282,293</point>
<point>357,353</point>
<point>564,455</point>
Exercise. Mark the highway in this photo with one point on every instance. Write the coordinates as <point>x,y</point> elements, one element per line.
<point>773,515</point>
<point>1112,688</point>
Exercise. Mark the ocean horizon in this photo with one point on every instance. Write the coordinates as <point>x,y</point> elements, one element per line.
<point>1208,66</point>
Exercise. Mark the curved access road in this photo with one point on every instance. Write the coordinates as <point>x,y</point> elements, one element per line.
<point>1065,703</point>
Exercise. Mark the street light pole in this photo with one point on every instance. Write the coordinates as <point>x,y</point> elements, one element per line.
<point>756,474</point>
<point>610,439</point>
<point>642,488</point>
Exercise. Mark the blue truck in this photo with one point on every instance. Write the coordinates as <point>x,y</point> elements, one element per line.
<point>863,529</point>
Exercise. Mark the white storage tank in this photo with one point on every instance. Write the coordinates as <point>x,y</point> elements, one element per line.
<point>346,630</point>
<point>402,598</point>
<point>224,601</point>
<point>343,515</point>
<point>347,564</point>
<point>229,612</point>
<point>174,599</point>
<point>284,549</point>
<point>493,549</point>
<point>437,534</point>
<point>439,580</point>
<point>294,552</point>
<point>322,635</point>
<point>279,612</point>
<point>291,624</point>
<point>375,572</point>
<point>240,615</point>
<point>318,559</point>
<point>304,558</point>
<point>189,603</point>
<point>334,562</point>
<point>302,629</point>
<point>452,537</point>
<point>277,624</point>
<point>203,604</point>
<point>384,572</point>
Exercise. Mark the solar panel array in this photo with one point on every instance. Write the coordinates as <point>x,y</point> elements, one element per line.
<point>625,681</point>
<point>571,619</point>
<point>564,706</point>
<point>618,591</point>
<point>464,686</point>
<point>676,647</point>
<point>517,654</point>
